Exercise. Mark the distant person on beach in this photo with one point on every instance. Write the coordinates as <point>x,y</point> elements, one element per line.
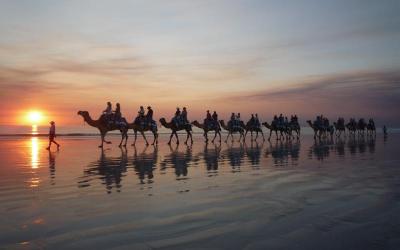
<point>52,135</point>
<point>384,130</point>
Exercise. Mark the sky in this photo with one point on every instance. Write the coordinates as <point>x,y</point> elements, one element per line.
<point>337,58</point>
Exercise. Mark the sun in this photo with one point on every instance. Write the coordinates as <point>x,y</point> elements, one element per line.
<point>34,117</point>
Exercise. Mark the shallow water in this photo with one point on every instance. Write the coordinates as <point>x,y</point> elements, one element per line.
<point>280,195</point>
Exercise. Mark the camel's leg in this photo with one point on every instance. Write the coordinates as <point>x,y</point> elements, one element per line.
<point>144,137</point>
<point>205,136</point>
<point>102,140</point>
<point>177,137</point>
<point>215,135</point>
<point>270,133</point>
<point>262,133</point>
<point>134,140</point>
<point>227,137</point>
<point>154,138</point>
<point>122,138</point>
<point>191,138</point>
<point>170,137</point>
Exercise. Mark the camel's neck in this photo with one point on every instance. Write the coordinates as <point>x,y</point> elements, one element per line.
<point>310,123</point>
<point>224,125</point>
<point>166,124</point>
<point>199,125</point>
<point>90,121</point>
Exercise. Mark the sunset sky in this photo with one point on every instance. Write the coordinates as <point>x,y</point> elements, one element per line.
<point>305,57</point>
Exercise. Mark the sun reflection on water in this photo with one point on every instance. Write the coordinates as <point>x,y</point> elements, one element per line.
<point>34,130</point>
<point>34,180</point>
<point>34,152</point>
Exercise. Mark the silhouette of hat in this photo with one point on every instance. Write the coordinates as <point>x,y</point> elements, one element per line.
<point>148,107</point>
<point>52,122</point>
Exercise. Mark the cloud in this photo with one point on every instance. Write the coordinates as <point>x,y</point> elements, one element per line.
<point>366,93</point>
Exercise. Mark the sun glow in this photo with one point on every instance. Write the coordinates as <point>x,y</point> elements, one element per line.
<point>34,117</point>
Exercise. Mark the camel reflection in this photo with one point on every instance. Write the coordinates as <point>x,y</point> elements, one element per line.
<point>144,163</point>
<point>284,153</point>
<point>322,149</point>
<point>253,153</point>
<point>110,170</point>
<point>211,154</point>
<point>178,160</point>
<point>234,155</point>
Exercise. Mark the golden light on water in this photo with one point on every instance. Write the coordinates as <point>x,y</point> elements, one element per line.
<point>34,130</point>
<point>34,152</point>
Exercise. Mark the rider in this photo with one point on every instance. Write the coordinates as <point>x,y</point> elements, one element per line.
<point>208,119</point>
<point>141,112</point>
<point>215,116</point>
<point>108,110</point>
<point>117,113</point>
<point>281,120</point>
<point>257,121</point>
<point>184,116</point>
<point>177,116</point>
<point>149,115</point>
<point>252,120</point>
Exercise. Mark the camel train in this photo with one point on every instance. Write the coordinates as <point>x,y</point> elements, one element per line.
<point>283,128</point>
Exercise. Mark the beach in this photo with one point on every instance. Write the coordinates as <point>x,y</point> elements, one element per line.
<point>306,194</point>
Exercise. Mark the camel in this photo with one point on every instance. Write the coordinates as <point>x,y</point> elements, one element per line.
<point>137,127</point>
<point>252,128</point>
<point>371,130</point>
<point>352,128</point>
<point>339,129</point>
<point>274,127</point>
<point>206,129</point>
<point>104,128</point>
<point>320,130</point>
<point>361,126</point>
<point>171,125</point>
<point>231,130</point>
<point>294,126</point>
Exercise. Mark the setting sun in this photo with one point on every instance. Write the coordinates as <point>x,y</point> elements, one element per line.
<point>34,117</point>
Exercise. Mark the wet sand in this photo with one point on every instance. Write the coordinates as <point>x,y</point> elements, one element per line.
<point>280,195</point>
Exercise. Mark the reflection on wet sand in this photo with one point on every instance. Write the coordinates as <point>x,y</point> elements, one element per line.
<point>211,155</point>
<point>254,152</point>
<point>178,160</point>
<point>284,153</point>
<point>322,149</point>
<point>52,167</point>
<point>110,170</point>
<point>145,162</point>
<point>233,156</point>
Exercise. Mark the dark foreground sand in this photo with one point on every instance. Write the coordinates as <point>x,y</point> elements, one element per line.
<point>299,195</point>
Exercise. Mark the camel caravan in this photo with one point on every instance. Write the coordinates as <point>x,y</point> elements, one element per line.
<point>284,128</point>
<point>322,128</point>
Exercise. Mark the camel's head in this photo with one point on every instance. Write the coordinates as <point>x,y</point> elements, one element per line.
<point>162,120</point>
<point>195,122</point>
<point>83,113</point>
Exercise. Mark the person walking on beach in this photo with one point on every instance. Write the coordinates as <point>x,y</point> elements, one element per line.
<point>52,135</point>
